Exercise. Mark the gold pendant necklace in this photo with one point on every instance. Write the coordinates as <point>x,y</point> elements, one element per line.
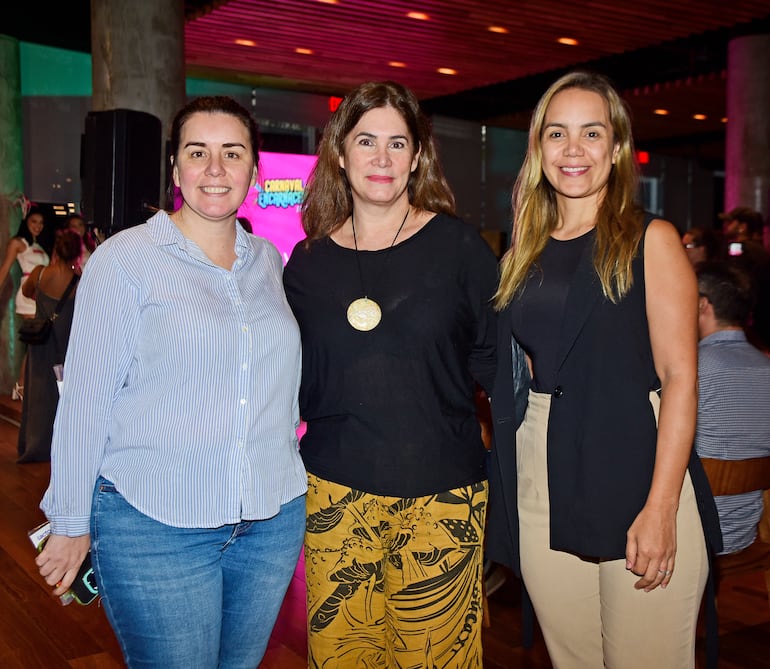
<point>364,314</point>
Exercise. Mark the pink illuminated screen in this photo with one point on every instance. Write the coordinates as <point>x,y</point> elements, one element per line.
<point>273,205</point>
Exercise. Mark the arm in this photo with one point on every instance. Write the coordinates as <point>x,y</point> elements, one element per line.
<point>104,330</point>
<point>672,301</point>
<point>99,353</point>
<point>15,246</point>
<point>481,283</point>
<point>29,287</point>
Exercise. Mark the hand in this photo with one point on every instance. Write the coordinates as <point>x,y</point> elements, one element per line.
<point>651,548</point>
<point>60,560</point>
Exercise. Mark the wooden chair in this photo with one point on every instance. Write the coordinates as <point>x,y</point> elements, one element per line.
<point>732,477</point>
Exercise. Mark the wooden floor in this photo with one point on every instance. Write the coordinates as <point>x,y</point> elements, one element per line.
<point>36,631</point>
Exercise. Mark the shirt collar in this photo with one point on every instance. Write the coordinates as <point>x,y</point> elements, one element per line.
<point>723,335</point>
<point>164,232</point>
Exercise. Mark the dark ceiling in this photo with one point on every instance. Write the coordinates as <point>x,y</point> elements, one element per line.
<point>668,54</point>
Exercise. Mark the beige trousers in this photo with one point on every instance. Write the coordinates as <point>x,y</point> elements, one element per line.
<point>588,610</point>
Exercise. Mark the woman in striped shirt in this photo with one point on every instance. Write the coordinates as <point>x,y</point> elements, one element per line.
<point>175,440</point>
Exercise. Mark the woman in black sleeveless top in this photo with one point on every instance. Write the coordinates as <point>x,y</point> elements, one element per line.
<point>593,496</point>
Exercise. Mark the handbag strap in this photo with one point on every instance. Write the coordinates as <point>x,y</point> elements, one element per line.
<point>60,304</point>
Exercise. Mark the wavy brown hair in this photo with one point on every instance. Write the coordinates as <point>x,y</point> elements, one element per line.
<point>619,221</point>
<point>328,199</point>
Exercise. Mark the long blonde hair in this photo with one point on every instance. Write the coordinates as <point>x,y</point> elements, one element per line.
<point>618,221</point>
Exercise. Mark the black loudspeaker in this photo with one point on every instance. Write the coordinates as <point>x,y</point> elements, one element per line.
<point>120,168</point>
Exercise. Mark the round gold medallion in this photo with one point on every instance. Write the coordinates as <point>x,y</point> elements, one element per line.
<point>364,314</point>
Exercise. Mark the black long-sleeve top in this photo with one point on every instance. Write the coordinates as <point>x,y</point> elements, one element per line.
<point>391,411</point>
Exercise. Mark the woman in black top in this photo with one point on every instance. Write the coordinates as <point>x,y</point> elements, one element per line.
<point>392,294</point>
<point>47,284</point>
<point>592,496</point>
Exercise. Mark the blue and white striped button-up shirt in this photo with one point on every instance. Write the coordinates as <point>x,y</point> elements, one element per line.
<point>733,422</point>
<point>180,384</point>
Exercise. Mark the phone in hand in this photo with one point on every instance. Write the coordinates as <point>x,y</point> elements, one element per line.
<point>83,589</point>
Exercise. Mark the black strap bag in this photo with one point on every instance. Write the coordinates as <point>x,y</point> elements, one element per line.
<point>37,330</point>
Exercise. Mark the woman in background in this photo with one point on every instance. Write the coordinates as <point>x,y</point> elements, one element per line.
<point>175,438</point>
<point>77,223</point>
<point>30,247</point>
<point>46,285</point>
<point>593,497</point>
<point>392,295</point>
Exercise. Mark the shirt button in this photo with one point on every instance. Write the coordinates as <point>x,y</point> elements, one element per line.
<point>243,401</point>
<point>558,392</point>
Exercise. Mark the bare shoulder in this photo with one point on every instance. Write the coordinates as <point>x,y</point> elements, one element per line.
<point>665,260</point>
<point>16,245</point>
<point>661,232</point>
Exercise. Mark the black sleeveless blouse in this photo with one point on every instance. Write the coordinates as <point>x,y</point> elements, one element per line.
<point>537,315</point>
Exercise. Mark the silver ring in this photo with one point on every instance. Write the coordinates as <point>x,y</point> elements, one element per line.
<point>665,573</point>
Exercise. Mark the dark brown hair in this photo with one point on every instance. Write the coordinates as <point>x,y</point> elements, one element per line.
<point>729,291</point>
<point>328,200</point>
<point>211,104</point>
<point>68,246</point>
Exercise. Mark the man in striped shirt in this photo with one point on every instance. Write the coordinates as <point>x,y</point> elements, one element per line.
<point>734,393</point>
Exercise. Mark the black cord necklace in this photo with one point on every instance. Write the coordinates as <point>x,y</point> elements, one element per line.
<point>365,314</point>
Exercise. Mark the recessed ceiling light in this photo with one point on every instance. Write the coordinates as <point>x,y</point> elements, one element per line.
<point>304,52</point>
<point>446,70</point>
<point>245,42</point>
<point>498,29</point>
<point>660,112</point>
<point>699,117</point>
<point>396,63</point>
<point>419,16</point>
<point>569,41</point>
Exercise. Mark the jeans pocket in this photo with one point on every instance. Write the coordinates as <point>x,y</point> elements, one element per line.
<point>103,491</point>
<point>103,485</point>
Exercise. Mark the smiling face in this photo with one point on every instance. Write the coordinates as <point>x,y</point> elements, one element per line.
<point>378,155</point>
<point>35,224</point>
<point>577,144</point>
<point>214,167</point>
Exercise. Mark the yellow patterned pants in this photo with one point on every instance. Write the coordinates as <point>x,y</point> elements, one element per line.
<point>394,582</point>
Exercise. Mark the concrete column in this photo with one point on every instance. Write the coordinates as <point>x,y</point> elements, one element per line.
<point>137,49</point>
<point>747,174</point>
<point>11,190</point>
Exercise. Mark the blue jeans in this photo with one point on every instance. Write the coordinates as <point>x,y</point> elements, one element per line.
<point>181,597</point>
